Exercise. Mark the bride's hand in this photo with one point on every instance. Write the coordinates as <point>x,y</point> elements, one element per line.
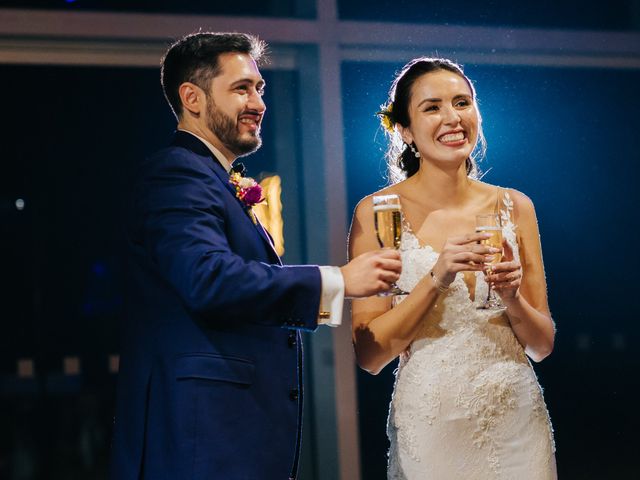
<point>506,276</point>
<point>462,254</point>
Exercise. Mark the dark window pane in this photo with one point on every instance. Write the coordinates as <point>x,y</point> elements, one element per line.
<point>69,144</point>
<point>612,15</point>
<point>268,8</point>
<point>567,138</point>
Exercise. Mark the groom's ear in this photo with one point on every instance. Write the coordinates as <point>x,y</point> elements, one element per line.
<point>192,98</point>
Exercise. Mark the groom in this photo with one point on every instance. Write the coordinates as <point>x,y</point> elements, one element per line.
<point>210,383</point>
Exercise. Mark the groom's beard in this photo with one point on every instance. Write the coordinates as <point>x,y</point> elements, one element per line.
<point>226,130</point>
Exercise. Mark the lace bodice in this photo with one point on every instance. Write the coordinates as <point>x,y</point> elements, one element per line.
<point>417,261</point>
<point>464,377</point>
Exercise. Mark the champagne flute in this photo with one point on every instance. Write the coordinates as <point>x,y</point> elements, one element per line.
<point>387,213</point>
<point>491,223</point>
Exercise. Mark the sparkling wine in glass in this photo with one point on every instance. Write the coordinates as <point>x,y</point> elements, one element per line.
<point>387,213</point>
<point>492,224</point>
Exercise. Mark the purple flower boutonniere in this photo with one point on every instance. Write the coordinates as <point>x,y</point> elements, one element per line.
<point>248,191</point>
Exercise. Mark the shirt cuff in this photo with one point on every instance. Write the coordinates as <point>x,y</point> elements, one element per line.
<point>332,298</point>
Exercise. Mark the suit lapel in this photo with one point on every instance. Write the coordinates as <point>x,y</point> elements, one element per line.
<point>186,140</point>
<point>265,235</point>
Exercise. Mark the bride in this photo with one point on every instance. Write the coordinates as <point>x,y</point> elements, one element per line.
<point>466,402</point>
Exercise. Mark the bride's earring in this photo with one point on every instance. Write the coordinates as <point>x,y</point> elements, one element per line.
<point>415,152</point>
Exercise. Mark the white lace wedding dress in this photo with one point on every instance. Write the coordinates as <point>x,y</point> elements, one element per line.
<point>466,403</point>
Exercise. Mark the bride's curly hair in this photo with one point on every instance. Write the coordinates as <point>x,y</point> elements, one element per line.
<point>401,161</point>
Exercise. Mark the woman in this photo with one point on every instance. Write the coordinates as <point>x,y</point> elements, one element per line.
<point>466,402</point>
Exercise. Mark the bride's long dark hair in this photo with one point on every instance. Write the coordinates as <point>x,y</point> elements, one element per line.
<point>401,161</point>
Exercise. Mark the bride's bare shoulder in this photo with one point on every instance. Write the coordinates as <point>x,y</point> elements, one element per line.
<point>365,205</point>
<point>484,187</point>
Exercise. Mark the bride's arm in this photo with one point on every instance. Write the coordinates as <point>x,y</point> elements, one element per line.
<point>381,333</point>
<point>526,298</point>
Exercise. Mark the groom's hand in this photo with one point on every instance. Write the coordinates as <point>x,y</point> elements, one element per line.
<point>371,273</point>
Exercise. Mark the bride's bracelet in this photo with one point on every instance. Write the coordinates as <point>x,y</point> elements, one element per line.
<point>439,286</point>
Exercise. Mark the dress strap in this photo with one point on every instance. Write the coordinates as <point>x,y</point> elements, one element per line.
<point>504,205</point>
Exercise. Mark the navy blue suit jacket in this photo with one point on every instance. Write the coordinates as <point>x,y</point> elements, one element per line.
<point>210,368</point>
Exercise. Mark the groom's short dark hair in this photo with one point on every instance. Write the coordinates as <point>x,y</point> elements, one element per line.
<point>194,59</point>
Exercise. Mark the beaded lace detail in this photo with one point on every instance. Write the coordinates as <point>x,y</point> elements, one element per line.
<point>466,402</point>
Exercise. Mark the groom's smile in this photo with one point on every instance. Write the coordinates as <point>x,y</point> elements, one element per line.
<point>251,121</point>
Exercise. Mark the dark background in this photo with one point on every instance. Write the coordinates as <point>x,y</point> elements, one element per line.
<point>567,137</point>
<point>67,154</point>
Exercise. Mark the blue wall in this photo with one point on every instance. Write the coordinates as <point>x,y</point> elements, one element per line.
<point>568,139</point>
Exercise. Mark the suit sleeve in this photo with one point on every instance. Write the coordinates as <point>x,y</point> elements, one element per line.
<point>181,214</point>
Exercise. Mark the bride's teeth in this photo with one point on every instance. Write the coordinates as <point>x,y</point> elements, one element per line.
<point>452,137</point>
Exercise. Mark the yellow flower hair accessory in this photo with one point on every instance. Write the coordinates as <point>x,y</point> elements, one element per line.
<point>385,115</point>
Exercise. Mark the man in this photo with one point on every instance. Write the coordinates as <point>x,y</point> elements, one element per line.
<point>210,372</point>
